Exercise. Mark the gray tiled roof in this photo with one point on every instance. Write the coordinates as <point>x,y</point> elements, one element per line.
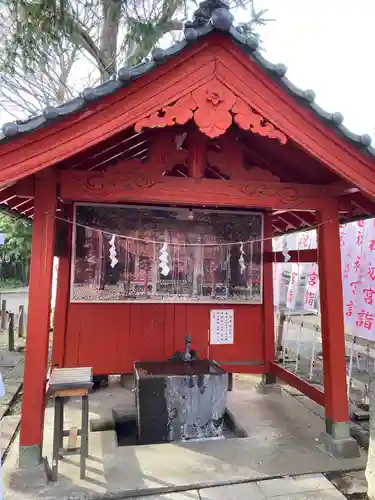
<point>212,15</point>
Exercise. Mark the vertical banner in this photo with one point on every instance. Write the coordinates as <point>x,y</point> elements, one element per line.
<point>351,254</point>
<point>293,287</point>
<point>277,269</point>
<point>312,285</point>
<point>365,285</point>
<point>301,290</point>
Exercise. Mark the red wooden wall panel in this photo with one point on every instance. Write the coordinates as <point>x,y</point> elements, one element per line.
<point>110,337</point>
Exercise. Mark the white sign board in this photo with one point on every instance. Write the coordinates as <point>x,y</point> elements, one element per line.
<point>222,326</point>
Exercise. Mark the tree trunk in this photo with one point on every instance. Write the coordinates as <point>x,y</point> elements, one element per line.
<point>370,469</point>
<point>108,36</point>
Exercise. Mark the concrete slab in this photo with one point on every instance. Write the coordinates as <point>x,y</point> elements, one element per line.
<point>3,410</point>
<point>12,388</point>
<point>314,495</point>
<point>17,371</point>
<point>282,440</point>
<point>292,485</point>
<point>186,495</point>
<point>8,426</point>
<point>9,359</point>
<point>244,491</point>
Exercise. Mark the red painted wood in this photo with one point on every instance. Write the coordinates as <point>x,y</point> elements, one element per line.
<point>268,308</point>
<point>62,292</point>
<point>95,125</point>
<point>298,383</point>
<point>249,369</point>
<point>147,327</point>
<point>147,187</point>
<point>213,107</point>
<point>217,56</point>
<point>248,337</point>
<point>62,300</point>
<point>295,256</point>
<point>110,337</point>
<point>300,124</point>
<point>61,309</point>
<point>331,303</point>
<point>197,149</point>
<point>170,322</point>
<point>38,323</point>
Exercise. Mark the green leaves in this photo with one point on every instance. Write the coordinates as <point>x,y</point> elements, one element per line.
<point>51,49</point>
<point>17,246</point>
<point>16,252</point>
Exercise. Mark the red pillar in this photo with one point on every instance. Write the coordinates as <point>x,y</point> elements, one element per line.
<point>33,401</point>
<point>268,307</point>
<point>197,149</point>
<point>62,290</point>
<point>332,318</point>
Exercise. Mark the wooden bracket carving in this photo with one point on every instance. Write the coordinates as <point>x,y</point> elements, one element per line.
<point>214,108</point>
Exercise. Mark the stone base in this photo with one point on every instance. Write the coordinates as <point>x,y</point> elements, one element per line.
<point>269,385</point>
<point>340,448</point>
<point>230,382</point>
<point>127,381</point>
<point>30,456</point>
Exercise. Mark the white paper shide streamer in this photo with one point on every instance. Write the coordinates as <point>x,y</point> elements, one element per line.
<point>241,260</point>
<point>285,252</point>
<point>112,252</point>
<point>163,259</point>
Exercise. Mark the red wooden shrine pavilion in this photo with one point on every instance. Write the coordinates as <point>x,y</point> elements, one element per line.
<point>207,123</point>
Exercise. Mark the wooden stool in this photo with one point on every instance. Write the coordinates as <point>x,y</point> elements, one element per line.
<point>64,383</point>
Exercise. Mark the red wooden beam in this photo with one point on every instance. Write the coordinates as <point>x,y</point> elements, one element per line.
<point>281,225</point>
<point>268,309</point>
<point>296,256</point>
<point>20,204</point>
<point>285,164</point>
<point>33,401</point>
<point>22,189</point>
<point>331,304</point>
<point>305,218</point>
<point>277,230</point>
<point>141,186</point>
<point>297,122</point>
<point>196,160</point>
<point>103,152</point>
<point>62,294</point>
<point>361,201</point>
<point>290,222</point>
<point>298,383</point>
<point>27,211</point>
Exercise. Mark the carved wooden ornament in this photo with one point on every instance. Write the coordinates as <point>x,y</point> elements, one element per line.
<point>213,107</point>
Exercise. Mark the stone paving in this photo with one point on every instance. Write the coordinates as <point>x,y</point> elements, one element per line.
<point>11,368</point>
<point>308,487</point>
<point>281,440</point>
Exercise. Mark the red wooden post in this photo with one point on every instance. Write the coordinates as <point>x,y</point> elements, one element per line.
<point>62,295</point>
<point>197,148</point>
<point>268,308</point>
<point>333,336</point>
<point>33,401</point>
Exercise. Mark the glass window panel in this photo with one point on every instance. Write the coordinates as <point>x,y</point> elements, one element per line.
<point>165,254</point>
